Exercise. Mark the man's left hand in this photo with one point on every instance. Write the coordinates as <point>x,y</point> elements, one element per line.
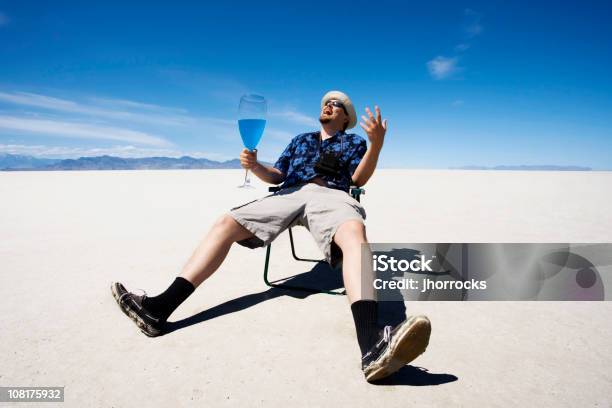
<point>375,127</point>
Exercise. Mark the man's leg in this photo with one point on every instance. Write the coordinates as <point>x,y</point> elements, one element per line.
<point>386,351</point>
<point>213,249</point>
<point>204,261</point>
<point>150,313</point>
<point>268,217</point>
<point>349,237</point>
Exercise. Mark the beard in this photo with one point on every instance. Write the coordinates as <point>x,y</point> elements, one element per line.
<point>323,119</point>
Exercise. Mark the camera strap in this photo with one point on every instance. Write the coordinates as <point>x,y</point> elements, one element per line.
<point>320,139</point>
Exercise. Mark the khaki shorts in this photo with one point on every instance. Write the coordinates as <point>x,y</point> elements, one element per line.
<point>320,209</point>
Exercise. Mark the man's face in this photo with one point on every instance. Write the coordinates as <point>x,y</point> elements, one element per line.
<point>331,113</point>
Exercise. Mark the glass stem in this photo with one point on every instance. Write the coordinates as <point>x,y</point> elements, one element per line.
<point>246,176</point>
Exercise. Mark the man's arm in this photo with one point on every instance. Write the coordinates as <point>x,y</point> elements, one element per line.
<point>366,167</point>
<point>268,174</point>
<point>248,160</point>
<point>375,128</point>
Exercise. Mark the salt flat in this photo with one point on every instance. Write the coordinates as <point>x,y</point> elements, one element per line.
<point>67,235</point>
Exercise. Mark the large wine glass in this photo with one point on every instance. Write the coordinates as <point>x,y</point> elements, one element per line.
<point>251,122</point>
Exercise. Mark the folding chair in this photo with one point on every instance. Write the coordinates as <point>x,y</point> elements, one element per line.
<point>356,193</point>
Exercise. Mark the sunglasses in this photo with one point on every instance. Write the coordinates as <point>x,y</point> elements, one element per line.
<point>337,104</point>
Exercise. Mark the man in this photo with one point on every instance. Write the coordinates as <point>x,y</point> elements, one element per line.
<point>316,170</point>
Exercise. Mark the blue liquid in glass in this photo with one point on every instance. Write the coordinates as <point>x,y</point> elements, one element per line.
<point>251,131</point>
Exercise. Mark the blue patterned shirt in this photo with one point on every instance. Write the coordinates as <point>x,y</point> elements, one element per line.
<point>299,158</point>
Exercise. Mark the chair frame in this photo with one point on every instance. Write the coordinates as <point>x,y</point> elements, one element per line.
<point>356,193</point>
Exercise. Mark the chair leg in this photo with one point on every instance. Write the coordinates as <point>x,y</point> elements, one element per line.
<point>297,258</point>
<point>266,266</point>
<point>285,286</point>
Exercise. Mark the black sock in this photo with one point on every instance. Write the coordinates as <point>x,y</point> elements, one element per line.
<point>165,303</point>
<point>365,314</point>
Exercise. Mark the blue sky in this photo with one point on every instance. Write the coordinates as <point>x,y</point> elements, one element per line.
<point>474,83</point>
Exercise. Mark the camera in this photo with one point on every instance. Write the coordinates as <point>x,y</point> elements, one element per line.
<point>327,165</point>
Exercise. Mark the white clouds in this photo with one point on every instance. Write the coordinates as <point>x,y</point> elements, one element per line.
<point>161,116</point>
<point>279,134</point>
<point>80,130</point>
<point>462,47</point>
<point>127,111</point>
<point>126,151</point>
<point>220,87</point>
<point>130,122</point>
<point>75,152</point>
<point>472,25</point>
<point>295,117</point>
<point>138,105</point>
<point>442,67</point>
<point>3,19</point>
<point>228,91</point>
<point>108,119</point>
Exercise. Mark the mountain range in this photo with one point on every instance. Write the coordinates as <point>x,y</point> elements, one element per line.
<point>19,162</point>
<point>526,167</point>
<point>10,162</point>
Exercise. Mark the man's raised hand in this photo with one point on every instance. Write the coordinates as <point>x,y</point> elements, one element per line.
<point>375,127</point>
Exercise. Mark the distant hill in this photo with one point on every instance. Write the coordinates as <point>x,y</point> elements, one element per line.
<point>17,162</point>
<point>544,167</point>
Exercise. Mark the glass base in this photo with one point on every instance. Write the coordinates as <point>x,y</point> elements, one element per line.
<point>247,181</point>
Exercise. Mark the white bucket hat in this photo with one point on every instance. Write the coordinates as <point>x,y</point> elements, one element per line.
<point>346,101</point>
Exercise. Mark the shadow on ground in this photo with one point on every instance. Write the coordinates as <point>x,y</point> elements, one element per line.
<point>417,376</point>
<point>321,277</point>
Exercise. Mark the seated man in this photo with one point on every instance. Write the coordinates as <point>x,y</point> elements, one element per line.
<point>316,170</point>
